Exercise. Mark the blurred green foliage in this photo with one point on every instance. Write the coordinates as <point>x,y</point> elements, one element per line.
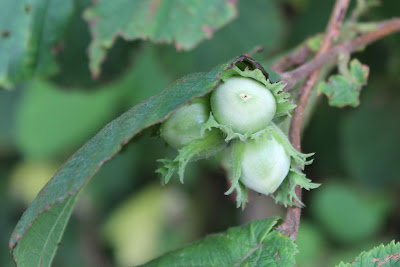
<point>349,215</point>
<point>28,33</point>
<point>43,121</point>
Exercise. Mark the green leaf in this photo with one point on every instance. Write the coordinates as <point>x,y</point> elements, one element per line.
<point>138,83</point>
<point>259,23</point>
<point>43,214</point>
<point>312,245</point>
<point>8,102</point>
<point>73,58</point>
<point>251,245</point>
<point>359,72</point>
<point>146,216</point>
<point>28,32</point>
<point>28,178</point>
<point>70,118</point>
<point>314,42</point>
<point>159,21</point>
<point>388,256</point>
<point>369,137</point>
<point>140,216</point>
<point>344,89</point>
<point>87,110</point>
<point>38,245</point>
<point>349,215</point>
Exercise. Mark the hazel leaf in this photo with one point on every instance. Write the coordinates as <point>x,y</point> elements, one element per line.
<point>344,89</point>
<point>158,21</point>
<point>30,31</point>
<point>388,256</point>
<point>37,235</point>
<point>314,42</point>
<point>359,72</point>
<point>254,244</point>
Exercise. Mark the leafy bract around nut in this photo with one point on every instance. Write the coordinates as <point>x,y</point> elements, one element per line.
<point>244,108</point>
<point>268,165</point>
<point>182,130</point>
<point>196,149</point>
<point>239,102</point>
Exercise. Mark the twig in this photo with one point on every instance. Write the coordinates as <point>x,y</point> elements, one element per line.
<point>384,28</point>
<point>332,32</point>
<point>291,224</point>
<point>295,58</point>
<point>255,50</point>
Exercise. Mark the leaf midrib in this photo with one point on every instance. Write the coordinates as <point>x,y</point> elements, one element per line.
<point>52,230</point>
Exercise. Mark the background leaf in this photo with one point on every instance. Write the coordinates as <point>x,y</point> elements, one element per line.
<point>354,215</point>
<point>356,147</point>
<point>249,245</point>
<point>8,104</point>
<point>159,21</point>
<point>311,244</point>
<point>388,256</point>
<point>344,89</point>
<point>75,114</point>
<point>369,138</point>
<point>28,32</point>
<point>259,23</point>
<point>47,215</point>
<point>73,58</point>
<point>28,177</point>
<point>72,116</point>
<point>157,218</point>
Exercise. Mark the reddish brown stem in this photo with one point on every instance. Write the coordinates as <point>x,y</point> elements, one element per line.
<point>295,58</point>
<point>291,224</point>
<point>384,28</point>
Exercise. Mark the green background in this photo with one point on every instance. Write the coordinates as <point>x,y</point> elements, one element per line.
<point>125,217</point>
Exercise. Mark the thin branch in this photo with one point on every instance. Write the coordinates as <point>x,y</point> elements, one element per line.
<point>384,28</point>
<point>255,50</point>
<point>294,58</point>
<point>332,33</point>
<point>291,224</point>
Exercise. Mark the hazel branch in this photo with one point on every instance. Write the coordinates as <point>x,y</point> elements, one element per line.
<point>295,58</point>
<point>291,224</point>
